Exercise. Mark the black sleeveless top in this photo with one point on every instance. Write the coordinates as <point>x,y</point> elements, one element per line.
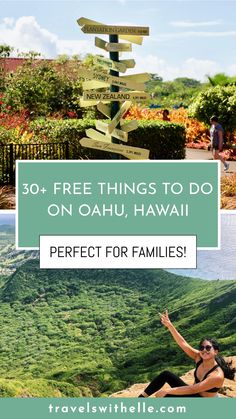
<point>211,390</point>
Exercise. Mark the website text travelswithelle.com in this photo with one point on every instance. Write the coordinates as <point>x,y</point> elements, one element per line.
<point>119,407</point>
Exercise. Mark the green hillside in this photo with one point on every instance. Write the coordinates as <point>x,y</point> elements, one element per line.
<point>93,332</point>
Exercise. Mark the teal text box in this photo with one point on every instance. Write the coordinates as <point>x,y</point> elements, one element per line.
<point>117,408</point>
<point>117,198</point>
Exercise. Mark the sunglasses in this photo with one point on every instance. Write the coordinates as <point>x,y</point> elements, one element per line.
<point>207,347</point>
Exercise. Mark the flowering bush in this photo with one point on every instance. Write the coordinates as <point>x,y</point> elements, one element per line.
<point>14,127</point>
<point>197,134</point>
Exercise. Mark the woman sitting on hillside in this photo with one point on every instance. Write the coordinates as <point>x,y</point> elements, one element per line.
<point>211,369</point>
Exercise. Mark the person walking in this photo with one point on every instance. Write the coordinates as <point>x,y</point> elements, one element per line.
<point>217,140</point>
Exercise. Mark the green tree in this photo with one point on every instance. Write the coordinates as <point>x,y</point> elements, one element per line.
<point>5,51</point>
<point>218,100</point>
<point>40,88</point>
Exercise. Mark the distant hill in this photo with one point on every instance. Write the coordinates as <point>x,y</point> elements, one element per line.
<point>7,228</point>
<point>95,332</point>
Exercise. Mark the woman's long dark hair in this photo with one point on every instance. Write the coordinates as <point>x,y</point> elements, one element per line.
<point>227,368</point>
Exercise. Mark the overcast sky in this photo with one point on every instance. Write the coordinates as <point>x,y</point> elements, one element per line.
<point>187,38</point>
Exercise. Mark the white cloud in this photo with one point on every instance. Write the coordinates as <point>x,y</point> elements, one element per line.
<point>189,24</point>
<point>192,67</point>
<point>25,34</point>
<point>71,47</point>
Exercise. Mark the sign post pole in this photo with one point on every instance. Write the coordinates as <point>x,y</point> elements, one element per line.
<point>114,105</point>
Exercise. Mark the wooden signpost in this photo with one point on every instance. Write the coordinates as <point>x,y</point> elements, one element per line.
<point>125,89</point>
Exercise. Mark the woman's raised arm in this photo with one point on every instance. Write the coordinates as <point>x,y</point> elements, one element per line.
<point>191,352</point>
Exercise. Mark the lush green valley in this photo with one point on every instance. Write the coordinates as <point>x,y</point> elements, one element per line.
<point>92,332</point>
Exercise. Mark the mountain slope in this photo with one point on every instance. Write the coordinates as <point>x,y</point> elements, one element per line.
<point>98,330</point>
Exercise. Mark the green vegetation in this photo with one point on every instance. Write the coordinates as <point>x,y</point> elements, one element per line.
<point>179,92</point>
<point>41,88</point>
<point>218,100</point>
<point>164,140</point>
<point>93,332</point>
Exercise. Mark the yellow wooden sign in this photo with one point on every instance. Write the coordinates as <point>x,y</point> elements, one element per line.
<point>116,30</point>
<point>86,103</point>
<point>115,96</point>
<point>100,43</point>
<point>128,126</point>
<point>117,133</point>
<point>112,47</point>
<point>128,63</point>
<point>139,77</point>
<point>133,153</point>
<point>116,47</point>
<point>112,80</point>
<point>115,121</point>
<point>134,39</point>
<point>94,84</point>
<point>104,109</point>
<point>95,135</point>
<point>110,64</point>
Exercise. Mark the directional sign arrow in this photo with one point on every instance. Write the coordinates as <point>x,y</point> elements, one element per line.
<point>128,63</point>
<point>133,153</point>
<point>139,77</point>
<point>134,39</point>
<point>110,64</point>
<point>117,133</point>
<point>100,43</point>
<point>94,84</point>
<point>112,80</point>
<point>86,103</point>
<point>116,30</point>
<point>112,47</point>
<point>115,121</point>
<point>104,109</point>
<point>115,47</point>
<point>128,126</point>
<point>95,135</point>
<point>115,96</point>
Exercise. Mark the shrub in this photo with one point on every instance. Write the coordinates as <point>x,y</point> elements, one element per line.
<point>41,89</point>
<point>164,140</point>
<point>219,100</point>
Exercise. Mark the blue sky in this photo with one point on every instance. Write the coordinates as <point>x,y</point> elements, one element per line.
<point>6,218</point>
<point>187,38</point>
